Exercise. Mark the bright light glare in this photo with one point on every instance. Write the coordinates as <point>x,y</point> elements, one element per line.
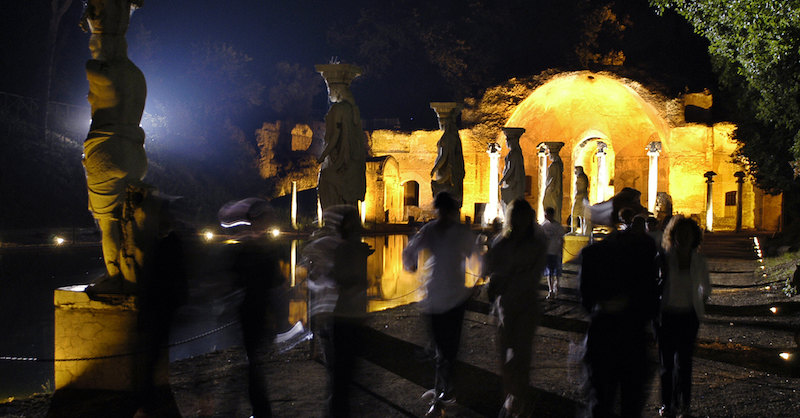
<point>59,240</point>
<point>773,309</point>
<point>785,356</point>
<point>208,235</point>
<point>275,232</point>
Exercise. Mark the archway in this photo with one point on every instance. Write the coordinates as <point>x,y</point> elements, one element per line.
<point>582,109</point>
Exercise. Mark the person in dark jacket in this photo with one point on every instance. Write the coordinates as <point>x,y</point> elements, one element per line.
<point>618,285</point>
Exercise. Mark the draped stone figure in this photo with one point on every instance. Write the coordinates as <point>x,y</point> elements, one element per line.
<point>553,192</point>
<point>114,156</point>
<point>342,173</point>
<point>512,184</point>
<point>447,174</point>
<point>581,201</point>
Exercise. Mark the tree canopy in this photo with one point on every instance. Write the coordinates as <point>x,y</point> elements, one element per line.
<point>755,47</point>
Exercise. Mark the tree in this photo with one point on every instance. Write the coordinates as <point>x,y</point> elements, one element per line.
<point>755,45</point>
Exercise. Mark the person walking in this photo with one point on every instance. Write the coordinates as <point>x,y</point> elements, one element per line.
<point>337,261</point>
<point>555,245</point>
<point>618,286</point>
<point>514,265</point>
<point>685,288</point>
<point>449,243</point>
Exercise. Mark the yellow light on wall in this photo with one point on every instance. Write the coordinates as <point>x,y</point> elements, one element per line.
<point>59,240</point>
<point>208,235</point>
<point>785,356</point>
<point>773,310</point>
<point>275,232</point>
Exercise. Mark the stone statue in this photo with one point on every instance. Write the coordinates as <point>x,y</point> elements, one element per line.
<point>447,174</point>
<point>512,184</point>
<point>114,156</point>
<point>581,201</point>
<point>342,173</point>
<point>553,192</point>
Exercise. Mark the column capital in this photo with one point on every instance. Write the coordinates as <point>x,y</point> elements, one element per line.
<point>513,133</point>
<point>553,146</point>
<point>601,147</point>
<point>493,148</point>
<point>654,148</point>
<point>446,111</point>
<point>740,175</point>
<point>709,175</point>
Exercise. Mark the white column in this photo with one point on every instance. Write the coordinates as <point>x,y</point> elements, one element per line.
<point>293,263</point>
<point>602,172</point>
<point>492,209</point>
<point>653,150</point>
<point>294,204</point>
<point>542,154</point>
<point>709,175</point>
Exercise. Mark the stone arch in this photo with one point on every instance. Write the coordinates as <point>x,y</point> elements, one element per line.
<point>576,107</point>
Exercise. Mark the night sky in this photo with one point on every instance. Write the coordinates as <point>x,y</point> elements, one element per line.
<point>200,111</point>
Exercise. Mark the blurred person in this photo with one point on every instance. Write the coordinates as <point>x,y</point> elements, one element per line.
<point>555,247</point>
<point>619,289</point>
<point>337,262</point>
<point>256,269</point>
<point>654,230</point>
<point>514,264</point>
<point>449,243</point>
<point>684,290</point>
<point>160,292</point>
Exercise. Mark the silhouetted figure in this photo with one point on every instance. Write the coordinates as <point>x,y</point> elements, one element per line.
<point>160,292</point>
<point>654,230</point>
<point>685,288</point>
<point>257,272</point>
<point>555,251</point>
<point>618,287</point>
<point>449,242</point>
<point>337,261</point>
<point>514,264</point>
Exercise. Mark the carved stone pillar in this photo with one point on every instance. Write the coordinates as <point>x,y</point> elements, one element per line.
<point>653,150</point>
<point>492,210</point>
<point>602,171</point>
<point>554,190</point>
<point>447,174</point>
<point>739,189</point>
<point>542,154</point>
<point>709,175</point>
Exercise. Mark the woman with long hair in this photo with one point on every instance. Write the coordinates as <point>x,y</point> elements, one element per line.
<point>514,265</point>
<point>685,289</point>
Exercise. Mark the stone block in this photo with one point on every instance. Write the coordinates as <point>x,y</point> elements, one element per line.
<point>573,244</point>
<point>96,342</point>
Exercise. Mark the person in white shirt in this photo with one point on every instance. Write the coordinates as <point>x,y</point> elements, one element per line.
<point>449,243</point>
<point>555,244</point>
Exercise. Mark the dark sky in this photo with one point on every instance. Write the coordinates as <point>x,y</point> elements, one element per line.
<point>295,32</point>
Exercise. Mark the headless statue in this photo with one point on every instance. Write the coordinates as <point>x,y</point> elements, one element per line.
<point>581,201</point>
<point>114,156</point>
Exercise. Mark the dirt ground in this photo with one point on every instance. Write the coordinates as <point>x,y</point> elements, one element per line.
<point>737,368</point>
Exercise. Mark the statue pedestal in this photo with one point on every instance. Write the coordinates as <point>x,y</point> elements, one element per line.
<point>87,329</point>
<point>573,244</point>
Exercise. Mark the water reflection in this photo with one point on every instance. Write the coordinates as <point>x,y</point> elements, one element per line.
<point>389,285</point>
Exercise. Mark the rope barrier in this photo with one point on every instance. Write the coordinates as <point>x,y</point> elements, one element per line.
<point>110,356</point>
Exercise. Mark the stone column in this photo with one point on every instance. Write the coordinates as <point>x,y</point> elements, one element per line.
<point>492,209</point>
<point>554,189</point>
<point>294,204</point>
<point>653,150</point>
<point>709,175</point>
<point>447,174</point>
<point>739,189</point>
<point>602,171</point>
<point>342,171</point>
<point>542,154</point>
